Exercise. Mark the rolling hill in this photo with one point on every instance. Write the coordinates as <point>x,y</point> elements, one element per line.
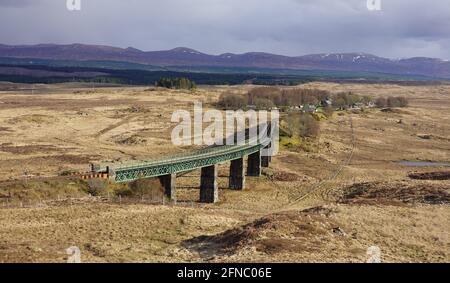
<point>186,57</point>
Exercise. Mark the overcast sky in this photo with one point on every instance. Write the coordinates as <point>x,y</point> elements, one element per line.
<point>403,28</point>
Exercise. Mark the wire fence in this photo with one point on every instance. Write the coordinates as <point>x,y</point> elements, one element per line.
<point>7,203</point>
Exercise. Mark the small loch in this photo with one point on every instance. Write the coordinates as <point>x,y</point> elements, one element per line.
<point>424,164</point>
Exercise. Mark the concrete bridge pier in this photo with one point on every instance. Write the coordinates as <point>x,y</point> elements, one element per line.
<point>237,174</point>
<point>254,164</point>
<point>265,160</point>
<point>169,184</point>
<point>209,189</point>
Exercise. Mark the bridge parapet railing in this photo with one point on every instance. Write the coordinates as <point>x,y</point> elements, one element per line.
<point>128,174</point>
<point>186,157</point>
<point>180,157</point>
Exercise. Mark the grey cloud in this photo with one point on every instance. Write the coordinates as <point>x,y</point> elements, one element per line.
<point>17,3</point>
<point>403,28</point>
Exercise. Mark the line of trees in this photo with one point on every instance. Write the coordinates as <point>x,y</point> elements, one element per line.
<point>286,97</point>
<point>296,124</point>
<point>267,97</point>
<point>232,101</point>
<point>344,100</point>
<point>303,124</point>
<point>176,83</point>
<point>391,102</point>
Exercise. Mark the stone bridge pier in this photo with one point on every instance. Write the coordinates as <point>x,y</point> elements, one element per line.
<point>209,189</point>
<point>237,174</point>
<point>169,184</point>
<point>254,164</point>
<point>265,160</point>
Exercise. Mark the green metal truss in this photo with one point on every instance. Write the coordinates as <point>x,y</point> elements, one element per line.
<point>182,163</point>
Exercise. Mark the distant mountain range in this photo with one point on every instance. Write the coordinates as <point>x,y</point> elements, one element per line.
<point>185,57</point>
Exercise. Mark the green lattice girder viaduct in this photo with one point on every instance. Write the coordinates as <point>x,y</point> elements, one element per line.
<point>207,160</point>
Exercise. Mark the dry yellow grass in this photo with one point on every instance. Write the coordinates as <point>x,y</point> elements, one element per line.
<point>64,128</point>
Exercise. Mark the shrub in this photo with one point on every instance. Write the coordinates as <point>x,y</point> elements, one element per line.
<point>392,102</point>
<point>345,100</point>
<point>302,125</point>
<point>340,103</point>
<point>381,102</point>
<point>272,94</point>
<point>328,111</point>
<point>146,188</point>
<point>366,99</point>
<point>232,101</point>
<point>96,187</point>
<point>403,101</point>
<point>263,103</point>
<point>399,101</point>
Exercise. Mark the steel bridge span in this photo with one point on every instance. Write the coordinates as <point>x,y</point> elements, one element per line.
<point>207,160</point>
